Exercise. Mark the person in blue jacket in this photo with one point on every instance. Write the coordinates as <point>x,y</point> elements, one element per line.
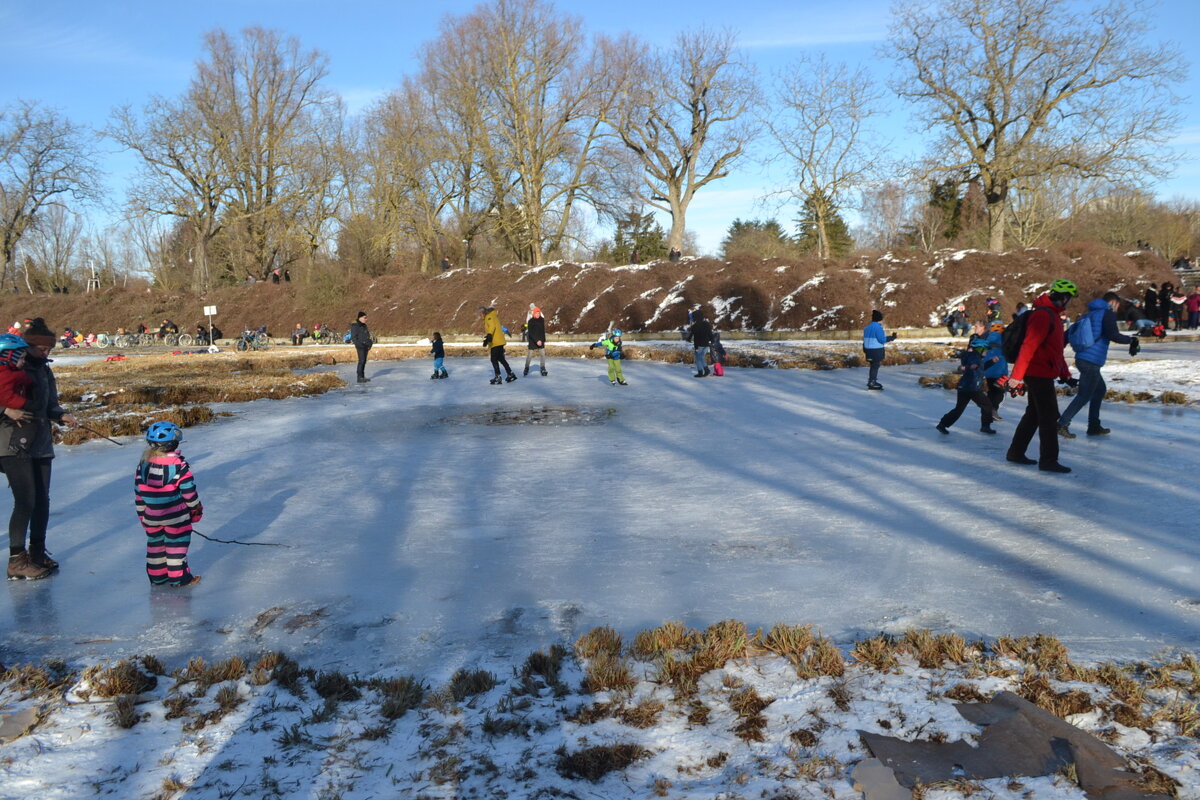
<point>438,351</point>
<point>874,340</point>
<point>970,388</point>
<point>995,367</point>
<point>1102,315</point>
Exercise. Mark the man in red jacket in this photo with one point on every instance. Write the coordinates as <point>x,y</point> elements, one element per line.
<point>1040,362</point>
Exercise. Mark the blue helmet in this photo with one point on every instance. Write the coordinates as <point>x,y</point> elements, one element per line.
<point>616,332</point>
<point>12,347</point>
<point>160,433</point>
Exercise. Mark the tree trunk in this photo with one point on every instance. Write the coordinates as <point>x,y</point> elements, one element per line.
<point>997,221</point>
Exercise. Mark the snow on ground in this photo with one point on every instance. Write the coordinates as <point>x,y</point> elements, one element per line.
<point>426,533</point>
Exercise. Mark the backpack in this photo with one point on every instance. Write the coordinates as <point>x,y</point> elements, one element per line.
<point>1080,335</point>
<point>1014,335</point>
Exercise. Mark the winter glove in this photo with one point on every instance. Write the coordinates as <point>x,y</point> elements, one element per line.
<point>487,340</point>
<point>1134,346</point>
<point>1016,388</point>
<point>197,513</point>
<point>1072,382</point>
<point>1002,380</point>
<point>891,338</point>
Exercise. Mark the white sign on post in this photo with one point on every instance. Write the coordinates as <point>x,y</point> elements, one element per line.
<point>210,311</point>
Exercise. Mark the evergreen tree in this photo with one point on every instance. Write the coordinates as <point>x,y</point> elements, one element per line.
<point>757,238</point>
<point>635,232</point>
<point>808,230</point>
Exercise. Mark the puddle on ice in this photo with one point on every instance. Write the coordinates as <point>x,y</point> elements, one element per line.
<point>535,415</point>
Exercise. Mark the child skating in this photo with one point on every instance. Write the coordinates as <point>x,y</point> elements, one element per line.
<point>970,388</point>
<point>167,506</point>
<point>611,342</point>
<point>439,355</point>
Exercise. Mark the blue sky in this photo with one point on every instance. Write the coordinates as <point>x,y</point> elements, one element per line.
<point>87,57</point>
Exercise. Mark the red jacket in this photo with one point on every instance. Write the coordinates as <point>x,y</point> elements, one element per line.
<point>12,387</point>
<point>1042,350</point>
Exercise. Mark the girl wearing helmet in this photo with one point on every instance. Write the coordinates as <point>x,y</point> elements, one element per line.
<point>167,506</point>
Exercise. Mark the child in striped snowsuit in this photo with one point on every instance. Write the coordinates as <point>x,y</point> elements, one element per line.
<point>167,505</point>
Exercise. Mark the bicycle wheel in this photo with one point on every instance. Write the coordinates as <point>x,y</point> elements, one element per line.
<point>171,339</point>
<point>240,345</point>
<point>262,340</point>
<point>102,340</point>
<point>147,339</point>
<point>185,339</point>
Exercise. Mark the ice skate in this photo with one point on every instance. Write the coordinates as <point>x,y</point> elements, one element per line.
<point>22,568</point>
<point>496,381</point>
<point>510,378</point>
<point>544,373</point>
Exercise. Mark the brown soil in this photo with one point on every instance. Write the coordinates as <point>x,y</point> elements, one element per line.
<point>912,289</point>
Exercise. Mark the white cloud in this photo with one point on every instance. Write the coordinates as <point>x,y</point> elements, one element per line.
<point>359,98</point>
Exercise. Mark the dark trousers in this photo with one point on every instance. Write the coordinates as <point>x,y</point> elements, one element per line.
<point>965,399</point>
<point>498,360</point>
<point>1041,415</point>
<point>995,393</point>
<point>29,479</point>
<point>874,359</point>
<point>362,359</point>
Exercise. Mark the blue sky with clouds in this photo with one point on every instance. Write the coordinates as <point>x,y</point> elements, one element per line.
<point>87,57</point>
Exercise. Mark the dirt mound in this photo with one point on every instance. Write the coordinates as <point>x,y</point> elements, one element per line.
<point>913,290</point>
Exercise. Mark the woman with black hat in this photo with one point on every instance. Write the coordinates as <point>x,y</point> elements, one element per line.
<point>26,450</point>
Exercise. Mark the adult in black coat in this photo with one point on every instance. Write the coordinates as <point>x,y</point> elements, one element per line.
<point>360,337</point>
<point>700,335</point>
<point>535,337</point>
<point>1150,302</point>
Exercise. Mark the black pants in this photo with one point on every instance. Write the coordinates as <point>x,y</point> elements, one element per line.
<point>964,399</point>
<point>995,393</point>
<point>874,359</point>
<point>362,349</point>
<point>1041,415</point>
<point>29,479</point>
<point>498,361</point>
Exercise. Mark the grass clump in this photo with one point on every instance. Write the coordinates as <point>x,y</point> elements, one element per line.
<point>593,763</point>
<point>334,685</point>
<point>399,695</point>
<point>123,678</point>
<point>124,712</point>
<point>607,673</point>
<point>657,642</point>
<point>468,683</point>
<point>598,640</point>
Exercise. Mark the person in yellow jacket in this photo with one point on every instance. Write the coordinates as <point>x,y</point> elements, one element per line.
<point>494,339</point>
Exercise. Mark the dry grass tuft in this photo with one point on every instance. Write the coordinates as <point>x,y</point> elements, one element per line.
<point>966,693</point>
<point>607,673</point>
<point>467,683</point>
<point>790,641</point>
<point>123,678</point>
<point>1037,690</point>
<point>598,640</point>
<point>545,663</point>
<point>336,686</point>
<point>594,763</point>
<point>826,659</point>
<point>124,713</point>
<point>643,715</point>
<point>1173,398</point>
<point>878,652</point>
<point>41,680</point>
<point>668,637</point>
<point>400,695</point>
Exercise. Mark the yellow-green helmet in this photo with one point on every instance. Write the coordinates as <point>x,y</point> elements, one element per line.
<point>1065,287</point>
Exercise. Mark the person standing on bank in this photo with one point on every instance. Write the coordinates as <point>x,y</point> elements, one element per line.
<point>493,339</point>
<point>535,336</point>
<point>874,340</point>
<point>360,337</point>
<point>26,452</point>
<point>1041,361</point>
<point>1102,317</point>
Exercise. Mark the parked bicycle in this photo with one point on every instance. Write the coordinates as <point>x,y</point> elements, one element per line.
<point>252,340</point>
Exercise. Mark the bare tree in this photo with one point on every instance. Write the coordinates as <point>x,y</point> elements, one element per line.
<point>54,246</point>
<point>886,210</point>
<point>683,112</point>
<point>1029,87</point>
<point>819,121</point>
<point>44,158</point>
<point>181,173</point>
<point>263,97</point>
<point>543,90</point>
